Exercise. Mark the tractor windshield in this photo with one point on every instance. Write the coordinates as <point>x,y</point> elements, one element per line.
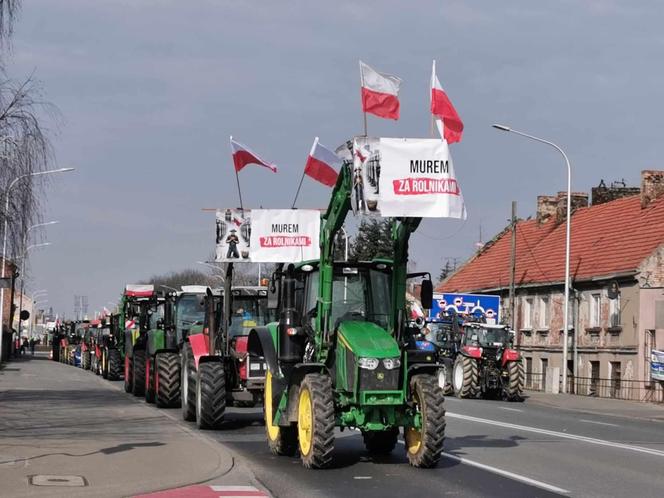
<point>248,312</point>
<point>190,310</point>
<point>487,337</point>
<point>360,294</point>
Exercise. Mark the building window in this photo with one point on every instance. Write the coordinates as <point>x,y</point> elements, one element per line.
<point>528,313</point>
<point>529,372</point>
<point>614,312</point>
<point>615,379</point>
<point>595,309</point>
<point>545,365</point>
<point>544,312</point>
<point>594,378</point>
<point>650,344</point>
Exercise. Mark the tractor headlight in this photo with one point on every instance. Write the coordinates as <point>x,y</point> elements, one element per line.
<point>391,363</point>
<point>368,363</point>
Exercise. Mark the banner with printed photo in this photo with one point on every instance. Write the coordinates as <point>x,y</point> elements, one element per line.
<point>657,365</point>
<point>406,177</point>
<point>233,233</point>
<point>285,235</point>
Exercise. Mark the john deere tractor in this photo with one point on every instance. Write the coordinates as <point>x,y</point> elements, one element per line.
<point>217,370</point>
<point>339,354</point>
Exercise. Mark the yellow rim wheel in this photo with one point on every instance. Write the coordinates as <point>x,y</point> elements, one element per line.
<point>272,430</point>
<point>305,421</point>
<point>413,440</point>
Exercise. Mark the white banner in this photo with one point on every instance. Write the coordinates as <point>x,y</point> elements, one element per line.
<point>233,235</point>
<point>657,365</point>
<point>285,235</point>
<point>406,177</point>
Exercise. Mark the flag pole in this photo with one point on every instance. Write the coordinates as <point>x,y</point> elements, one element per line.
<point>433,75</point>
<point>298,190</point>
<point>364,113</point>
<point>237,177</point>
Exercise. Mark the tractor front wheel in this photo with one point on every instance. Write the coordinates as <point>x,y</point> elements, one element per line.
<point>104,364</point>
<point>167,380</point>
<point>281,440</point>
<point>445,380</point>
<point>513,391</point>
<point>128,374</point>
<point>114,364</point>
<point>85,360</point>
<point>315,421</point>
<point>466,377</point>
<point>380,442</point>
<point>424,445</point>
<point>210,395</point>
<point>138,377</point>
<point>188,388</point>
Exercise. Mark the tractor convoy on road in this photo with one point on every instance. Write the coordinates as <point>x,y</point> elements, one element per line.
<point>325,345</point>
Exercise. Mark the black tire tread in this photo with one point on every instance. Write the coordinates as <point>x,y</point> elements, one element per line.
<point>514,388</point>
<point>188,368</point>
<point>320,390</point>
<point>138,373</point>
<point>211,384</point>
<point>433,419</point>
<point>114,364</point>
<point>471,377</point>
<point>168,373</point>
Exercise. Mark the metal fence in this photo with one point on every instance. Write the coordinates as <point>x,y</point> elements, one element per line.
<point>633,390</point>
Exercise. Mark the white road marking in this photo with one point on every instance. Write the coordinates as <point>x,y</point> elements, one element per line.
<point>598,423</point>
<point>564,435</point>
<point>504,473</point>
<point>362,477</point>
<point>509,475</point>
<point>510,409</point>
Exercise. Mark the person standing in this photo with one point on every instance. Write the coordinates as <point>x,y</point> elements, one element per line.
<point>32,346</point>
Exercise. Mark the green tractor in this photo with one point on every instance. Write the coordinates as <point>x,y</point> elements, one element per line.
<point>162,367</point>
<point>340,355</point>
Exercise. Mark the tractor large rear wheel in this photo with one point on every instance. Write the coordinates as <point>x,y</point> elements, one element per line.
<point>315,421</point>
<point>380,442</point>
<point>188,388</point>
<point>466,377</point>
<point>167,380</point>
<point>128,374</point>
<point>149,380</point>
<point>114,364</point>
<point>281,440</point>
<point>424,445</point>
<point>514,389</point>
<point>210,395</point>
<point>138,377</point>
<point>104,364</point>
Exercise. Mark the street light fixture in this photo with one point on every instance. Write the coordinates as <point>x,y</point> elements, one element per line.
<point>567,240</point>
<point>4,241</point>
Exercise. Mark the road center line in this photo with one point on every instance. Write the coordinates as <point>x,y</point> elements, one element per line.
<point>564,435</point>
<point>510,409</point>
<point>598,423</point>
<point>505,473</point>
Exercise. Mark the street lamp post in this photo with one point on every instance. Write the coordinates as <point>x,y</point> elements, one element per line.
<point>567,241</point>
<point>23,257</point>
<point>4,242</point>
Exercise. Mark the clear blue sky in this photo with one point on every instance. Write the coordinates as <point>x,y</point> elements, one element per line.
<point>150,90</point>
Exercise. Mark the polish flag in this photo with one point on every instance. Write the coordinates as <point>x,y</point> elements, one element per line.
<point>320,164</point>
<point>448,121</point>
<point>380,93</point>
<point>242,156</point>
<point>129,324</point>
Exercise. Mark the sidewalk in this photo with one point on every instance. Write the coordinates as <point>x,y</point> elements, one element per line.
<point>599,406</point>
<point>57,420</point>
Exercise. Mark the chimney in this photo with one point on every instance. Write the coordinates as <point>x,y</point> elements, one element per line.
<point>546,207</point>
<point>652,186</point>
<point>579,200</point>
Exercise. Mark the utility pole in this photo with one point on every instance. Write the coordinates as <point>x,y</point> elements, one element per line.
<point>513,268</point>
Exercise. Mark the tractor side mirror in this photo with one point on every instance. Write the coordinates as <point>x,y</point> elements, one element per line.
<point>273,295</point>
<point>426,294</point>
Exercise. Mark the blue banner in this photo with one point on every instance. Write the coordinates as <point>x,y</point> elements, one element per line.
<point>467,304</point>
<point>657,365</point>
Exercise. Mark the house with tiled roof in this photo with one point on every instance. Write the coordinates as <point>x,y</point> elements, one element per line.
<point>617,279</point>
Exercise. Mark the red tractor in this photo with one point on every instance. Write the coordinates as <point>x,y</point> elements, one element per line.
<point>486,365</point>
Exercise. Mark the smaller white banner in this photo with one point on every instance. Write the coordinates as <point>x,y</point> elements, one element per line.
<point>285,235</point>
<point>657,365</point>
<point>233,235</point>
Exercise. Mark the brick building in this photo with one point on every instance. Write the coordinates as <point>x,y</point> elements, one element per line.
<point>617,273</point>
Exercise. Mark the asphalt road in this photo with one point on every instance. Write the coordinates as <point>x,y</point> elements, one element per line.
<point>493,448</point>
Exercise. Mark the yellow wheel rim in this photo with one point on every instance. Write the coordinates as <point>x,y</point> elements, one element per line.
<point>271,429</point>
<point>304,421</point>
<point>413,440</point>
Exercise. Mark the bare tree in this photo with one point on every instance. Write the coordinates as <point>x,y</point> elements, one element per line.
<point>9,10</point>
<point>25,148</point>
<point>176,279</point>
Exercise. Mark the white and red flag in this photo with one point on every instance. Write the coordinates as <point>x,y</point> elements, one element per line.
<point>242,156</point>
<point>380,93</point>
<point>321,164</point>
<point>448,121</point>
